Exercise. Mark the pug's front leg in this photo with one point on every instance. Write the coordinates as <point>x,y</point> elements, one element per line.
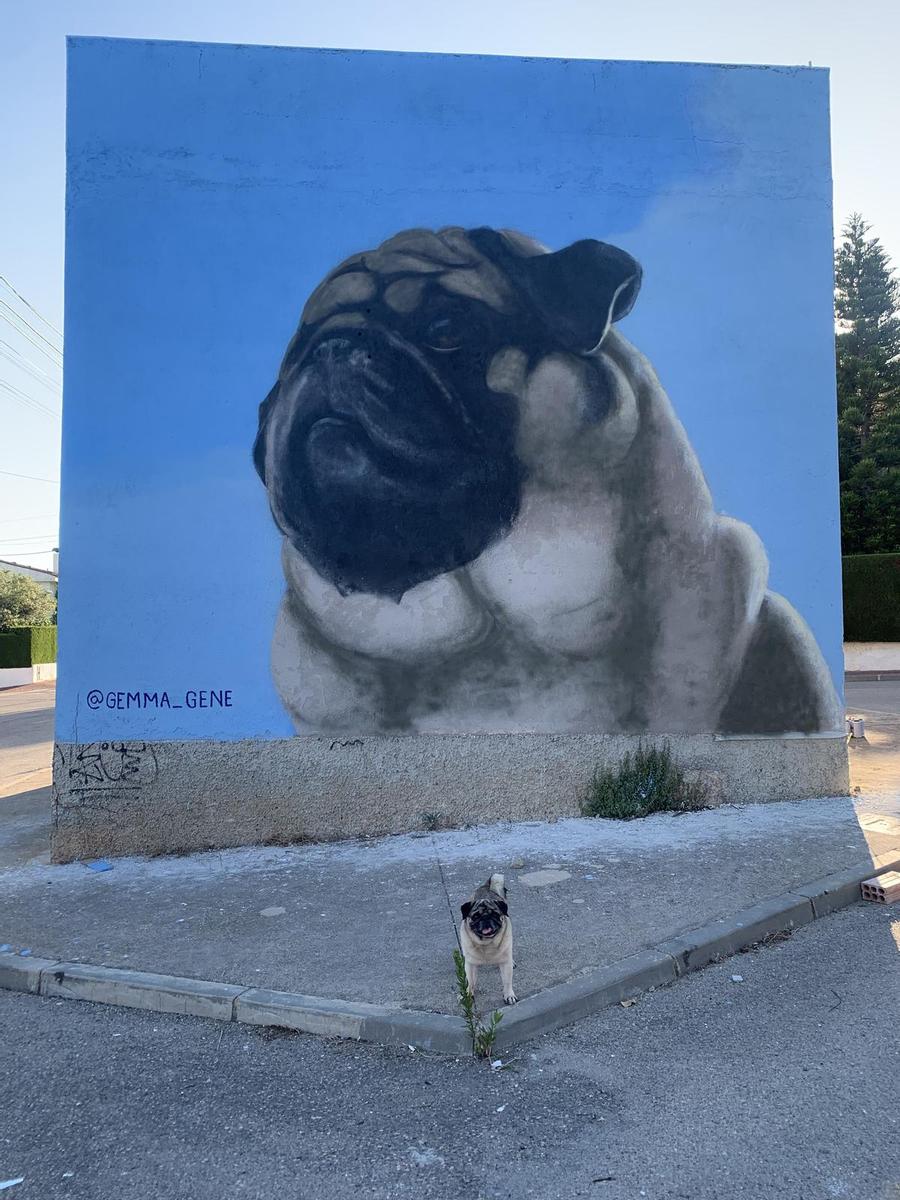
<point>471,976</point>
<point>506,973</point>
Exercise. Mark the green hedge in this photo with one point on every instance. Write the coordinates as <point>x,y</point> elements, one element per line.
<point>25,647</point>
<point>872,598</point>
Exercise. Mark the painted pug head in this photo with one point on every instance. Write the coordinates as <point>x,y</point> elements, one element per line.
<point>387,458</point>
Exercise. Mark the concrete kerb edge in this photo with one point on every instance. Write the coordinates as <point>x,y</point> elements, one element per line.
<point>556,1006</point>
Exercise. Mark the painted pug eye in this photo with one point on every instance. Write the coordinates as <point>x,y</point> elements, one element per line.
<point>445,332</point>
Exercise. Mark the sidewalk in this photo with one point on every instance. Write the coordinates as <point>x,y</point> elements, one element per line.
<point>374,921</point>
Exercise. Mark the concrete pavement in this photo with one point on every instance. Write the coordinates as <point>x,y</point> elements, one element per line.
<point>782,1084</point>
<point>374,921</point>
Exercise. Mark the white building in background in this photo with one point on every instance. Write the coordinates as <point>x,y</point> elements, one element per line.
<point>47,579</point>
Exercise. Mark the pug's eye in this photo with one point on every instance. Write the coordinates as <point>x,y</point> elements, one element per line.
<point>445,332</point>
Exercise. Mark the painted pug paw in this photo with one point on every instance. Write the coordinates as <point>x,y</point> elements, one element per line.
<point>510,999</point>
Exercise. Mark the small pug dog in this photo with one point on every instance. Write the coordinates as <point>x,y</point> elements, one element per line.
<point>485,935</point>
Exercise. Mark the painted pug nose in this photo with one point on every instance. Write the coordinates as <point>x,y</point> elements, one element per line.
<point>376,475</point>
<point>391,457</point>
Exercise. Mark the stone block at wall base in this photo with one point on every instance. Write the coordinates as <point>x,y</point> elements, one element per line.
<point>160,797</point>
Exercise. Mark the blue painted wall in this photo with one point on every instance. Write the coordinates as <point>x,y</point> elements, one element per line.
<point>211,187</point>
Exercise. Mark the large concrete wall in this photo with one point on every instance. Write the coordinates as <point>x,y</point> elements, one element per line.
<point>436,428</point>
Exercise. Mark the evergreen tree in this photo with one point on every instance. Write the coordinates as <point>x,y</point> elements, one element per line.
<point>867,300</point>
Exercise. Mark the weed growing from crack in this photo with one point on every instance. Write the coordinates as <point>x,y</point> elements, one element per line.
<point>482,1035</point>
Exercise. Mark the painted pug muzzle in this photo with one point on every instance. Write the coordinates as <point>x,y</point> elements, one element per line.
<point>387,457</point>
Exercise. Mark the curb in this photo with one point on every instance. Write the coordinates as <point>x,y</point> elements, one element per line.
<point>561,1004</point>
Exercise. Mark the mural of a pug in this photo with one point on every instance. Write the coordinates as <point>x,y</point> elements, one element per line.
<point>493,520</point>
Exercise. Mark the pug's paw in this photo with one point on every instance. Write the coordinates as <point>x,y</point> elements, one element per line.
<point>510,998</point>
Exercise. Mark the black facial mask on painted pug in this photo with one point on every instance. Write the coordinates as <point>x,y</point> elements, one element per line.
<point>387,458</point>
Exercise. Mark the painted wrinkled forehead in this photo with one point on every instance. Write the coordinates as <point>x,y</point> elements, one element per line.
<point>399,271</point>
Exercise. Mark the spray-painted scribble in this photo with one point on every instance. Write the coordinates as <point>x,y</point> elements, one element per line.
<point>102,765</point>
<point>493,519</point>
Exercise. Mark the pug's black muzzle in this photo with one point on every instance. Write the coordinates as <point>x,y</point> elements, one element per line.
<point>486,926</point>
<point>386,465</point>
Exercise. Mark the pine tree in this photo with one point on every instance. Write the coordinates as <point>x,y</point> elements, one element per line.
<point>867,300</point>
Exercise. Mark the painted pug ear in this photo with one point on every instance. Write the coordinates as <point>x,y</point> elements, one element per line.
<point>578,291</point>
<point>465,909</point>
<point>504,907</point>
<point>259,446</point>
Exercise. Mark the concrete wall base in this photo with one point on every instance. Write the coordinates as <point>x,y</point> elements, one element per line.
<point>160,797</point>
<point>871,656</point>
<point>18,676</point>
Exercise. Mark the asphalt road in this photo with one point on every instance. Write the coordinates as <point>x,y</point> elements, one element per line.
<point>781,1085</point>
<point>877,696</point>
<point>26,736</point>
<point>875,762</point>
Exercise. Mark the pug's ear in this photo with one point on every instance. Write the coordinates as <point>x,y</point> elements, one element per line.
<point>504,907</point>
<point>578,292</point>
<point>259,446</point>
<point>465,909</point>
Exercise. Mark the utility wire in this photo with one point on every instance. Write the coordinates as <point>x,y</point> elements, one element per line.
<point>19,296</point>
<point>17,520</point>
<point>38,478</point>
<point>20,541</point>
<point>11,353</point>
<point>28,401</point>
<point>17,391</point>
<point>21,325</point>
<point>25,397</point>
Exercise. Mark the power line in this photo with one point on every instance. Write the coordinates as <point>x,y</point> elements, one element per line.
<point>19,296</point>
<point>20,541</point>
<point>20,325</point>
<point>38,478</point>
<point>18,520</point>
<point>11,353</point>
<point>28,401</point>
<point>26,398</point>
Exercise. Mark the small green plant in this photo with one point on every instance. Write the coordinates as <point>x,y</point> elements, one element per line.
<point>482,1035</point>
<point>646,781</point>
<point>431,821</point>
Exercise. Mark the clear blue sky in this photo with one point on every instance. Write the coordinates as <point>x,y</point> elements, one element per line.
<point>858,44</point>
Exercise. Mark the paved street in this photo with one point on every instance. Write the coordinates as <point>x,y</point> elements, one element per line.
<point>695,1092</point>
<point>26,749</point>
<point>26,736</point>
<point>875,763</point>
